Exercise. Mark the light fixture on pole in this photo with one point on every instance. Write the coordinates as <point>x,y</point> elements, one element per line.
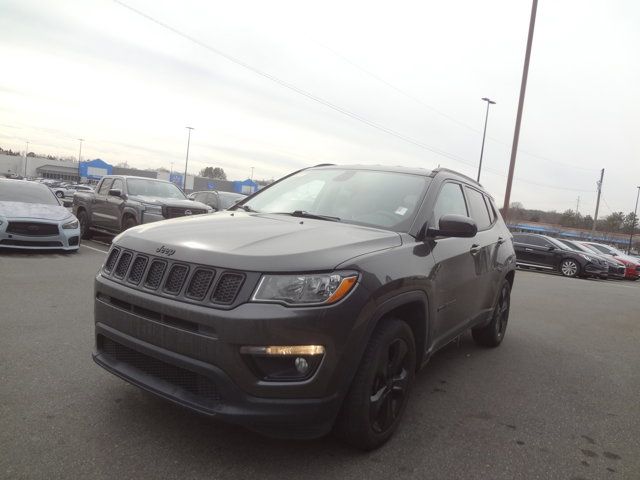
<point>186,163</point>
<point>484,134</point>
<point>633,224</point>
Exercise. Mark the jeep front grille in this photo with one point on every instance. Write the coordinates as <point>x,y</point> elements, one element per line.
<point>227,288</point>
<point>190,283</point>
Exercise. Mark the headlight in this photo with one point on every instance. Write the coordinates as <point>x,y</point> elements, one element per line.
<point>311,289</point>
<point>586,257</point>
<point>151,208</point>
<point>72,225</point>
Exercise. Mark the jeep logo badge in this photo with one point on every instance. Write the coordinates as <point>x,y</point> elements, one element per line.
<point>165,251</point>
<point>187,212</point>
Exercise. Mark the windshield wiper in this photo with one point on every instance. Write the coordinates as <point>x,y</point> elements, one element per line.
<point>314,216</point>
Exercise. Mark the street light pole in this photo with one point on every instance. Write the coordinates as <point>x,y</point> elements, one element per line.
<point>186,163</point>
<point>252,174</point>
<point>26,153</point>
<point>80,157</point>
<point>633,224</point>
<point>486,119</point>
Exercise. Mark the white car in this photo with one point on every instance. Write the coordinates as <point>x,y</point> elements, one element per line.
<point>32,217</point>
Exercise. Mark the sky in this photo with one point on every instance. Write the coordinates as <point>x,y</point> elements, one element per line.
<point>281,85</point>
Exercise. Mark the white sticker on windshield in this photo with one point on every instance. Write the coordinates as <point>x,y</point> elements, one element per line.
<point>401,210</point>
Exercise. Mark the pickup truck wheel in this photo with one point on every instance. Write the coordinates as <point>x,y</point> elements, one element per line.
<point>128,223</point>
<point>378,395</point>
<point>492,334</point>
<point>85,231</point>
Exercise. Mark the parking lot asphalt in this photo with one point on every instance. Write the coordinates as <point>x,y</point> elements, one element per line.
<point>559,398</point>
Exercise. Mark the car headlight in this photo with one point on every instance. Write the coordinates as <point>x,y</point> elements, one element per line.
<point>305,289</point>
<point>72,225</point>
<point>152,208</point>
<point>586,257</point>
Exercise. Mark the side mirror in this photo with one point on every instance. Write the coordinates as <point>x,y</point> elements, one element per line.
<point>115,192</point>
<point>550,247</point>
<point>454,226</point>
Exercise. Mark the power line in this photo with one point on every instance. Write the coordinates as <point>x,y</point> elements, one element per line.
<point>331,105</point>
<point>294,88</point>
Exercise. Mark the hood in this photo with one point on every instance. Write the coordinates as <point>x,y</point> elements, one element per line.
<point>258,242</point>
<point>36,211</point>
<point>173,202</point>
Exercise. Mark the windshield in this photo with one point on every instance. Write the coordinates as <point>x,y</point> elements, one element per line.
<point>578,247</point>
<point>153,188</point>
<point>26,192</point>
<point>605,249</point>
<point>365,197</point>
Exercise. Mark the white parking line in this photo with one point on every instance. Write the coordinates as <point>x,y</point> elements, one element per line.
<point>93,248</point>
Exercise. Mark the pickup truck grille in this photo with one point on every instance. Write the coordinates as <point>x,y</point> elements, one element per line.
<point>32,229</point>
<point>175,279</point>
<point>173,212</point>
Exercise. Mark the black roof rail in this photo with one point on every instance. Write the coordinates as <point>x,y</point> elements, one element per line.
<point>442,169</point>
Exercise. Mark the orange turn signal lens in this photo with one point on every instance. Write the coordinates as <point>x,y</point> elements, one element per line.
<point>345,287</point>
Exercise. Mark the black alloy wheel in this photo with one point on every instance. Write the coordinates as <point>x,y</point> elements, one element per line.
<point>492,334</point>
<point>378,396</point>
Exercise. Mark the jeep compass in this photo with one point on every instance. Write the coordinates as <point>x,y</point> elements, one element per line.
<point>310,305</point>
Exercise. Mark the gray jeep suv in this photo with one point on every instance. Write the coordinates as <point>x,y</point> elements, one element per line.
<point>310,305</point>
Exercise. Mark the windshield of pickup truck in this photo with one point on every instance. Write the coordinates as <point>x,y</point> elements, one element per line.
<point>366,197</point>
<point>152,188</point>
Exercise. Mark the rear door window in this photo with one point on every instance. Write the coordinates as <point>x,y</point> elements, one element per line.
<point>479,210</point>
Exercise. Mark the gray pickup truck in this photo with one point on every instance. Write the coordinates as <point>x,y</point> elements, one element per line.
<point>120,202</point>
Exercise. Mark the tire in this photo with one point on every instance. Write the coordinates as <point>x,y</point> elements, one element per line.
<point>380,389</point>
<point>491,335</point>
<point>60,194</point>
<point>85,231</point>
<point>128,223</point>
<point>569,267</point>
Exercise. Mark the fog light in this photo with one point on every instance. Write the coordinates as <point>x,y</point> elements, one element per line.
<point>302,365</point>
<point>283,363</point>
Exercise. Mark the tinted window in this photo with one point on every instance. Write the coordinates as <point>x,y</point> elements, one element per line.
<point>479,210</point>
<point>229,199</point>
<point>520,238</point>
<point>118,185</point>
<point>492,213</point>
<point>26,192</point>
<point>200,197</point>
<point>450,202</point>
<point>153,188</point>
<point>534,240</point>
<point>105,186</point>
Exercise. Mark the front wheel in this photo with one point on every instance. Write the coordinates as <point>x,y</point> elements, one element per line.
<point>85,231</point>
<point>569,267</point>
<point>128,223</point>
<point>491,335</point>
<point>378,395</point>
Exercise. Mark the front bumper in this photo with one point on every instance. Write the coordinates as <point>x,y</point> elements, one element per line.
<point>65,239</point>
<point>201,346</point>
<point>596,269</point>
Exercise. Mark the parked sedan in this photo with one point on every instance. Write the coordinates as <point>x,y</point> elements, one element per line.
<point>546,253</point>
<point>632,265</point>
<point>32,217</point>
<point>616,267</point>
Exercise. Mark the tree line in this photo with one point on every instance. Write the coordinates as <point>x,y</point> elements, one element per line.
<point>615,222</point>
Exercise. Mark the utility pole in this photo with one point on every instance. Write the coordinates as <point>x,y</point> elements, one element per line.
<point>186,163</point>
<point>26,152</point>
<point>578,207</point>
<point>633,224</point>
<point>595,217</point>
<point>523,88</point>
<point>486,119</point>
<point>80,157</point>
<point>171,171</point>
<point>252,174</point>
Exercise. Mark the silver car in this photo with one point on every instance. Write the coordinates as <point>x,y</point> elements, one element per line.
<point>32,217</point>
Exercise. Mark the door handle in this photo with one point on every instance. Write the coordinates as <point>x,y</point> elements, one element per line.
<point>528,249</point>
<point>475,248</point>
<point>500,240</point>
